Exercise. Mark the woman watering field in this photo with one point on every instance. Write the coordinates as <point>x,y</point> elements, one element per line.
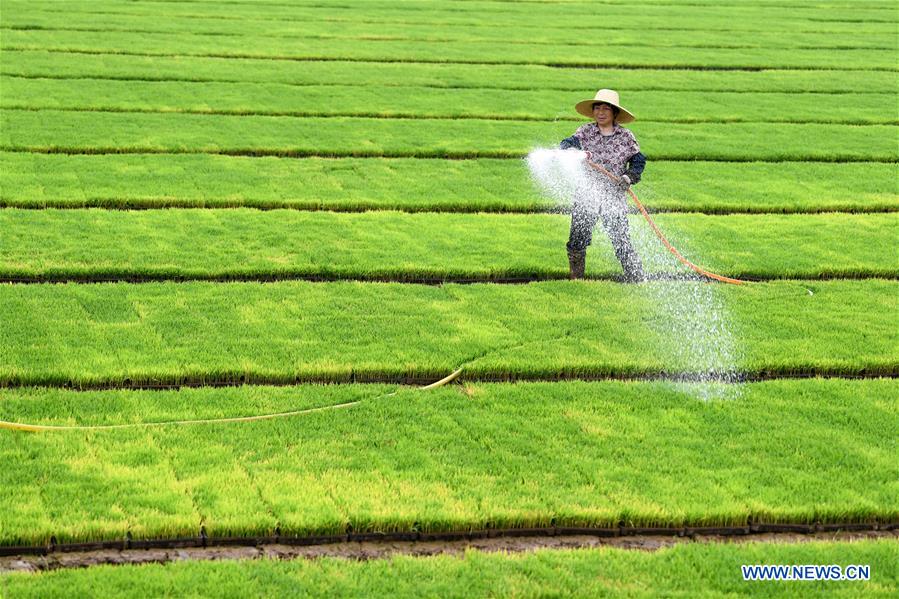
<point>615,148</point>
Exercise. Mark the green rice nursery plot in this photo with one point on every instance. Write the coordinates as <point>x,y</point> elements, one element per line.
<point>475,52</point>
<point>99,244</point>
<point>707,18</point>
<point>110,133</point>
<point>43,64</point>
<point>524,33</point>
<point>524,30</point>
<point>115,334</point>
<point>423,185</point>
<point>167,169</point>
<point>421,102</point>
<point>484,455</point>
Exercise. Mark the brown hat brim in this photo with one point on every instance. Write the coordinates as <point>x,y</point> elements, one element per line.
<point>586,108</point>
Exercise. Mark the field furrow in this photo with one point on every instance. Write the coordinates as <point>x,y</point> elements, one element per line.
<point>195,333</point>
<point>105,133</point>
<point>518,77</point>
<point>473,52</point>
<point>428,102</point>
<point>351,184</point>
<point>569,572</point>
<point>483,455</point>
<point>247,244</point>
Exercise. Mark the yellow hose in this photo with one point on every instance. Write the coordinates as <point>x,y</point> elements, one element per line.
<point>447,379</point>
<point>44,428</point>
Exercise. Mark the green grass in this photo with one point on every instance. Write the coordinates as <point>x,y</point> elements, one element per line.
<point>103,132</point>
<point>36,63</point>
<point>684,570</point>
<point>500,455</point>
<point>293,331</point>
<point>153,181</point>
<point>476,52</point>
<point>420,102</point>
<point>52,244</point>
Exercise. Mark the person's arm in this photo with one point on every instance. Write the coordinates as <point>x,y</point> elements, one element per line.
<point>635,170</point>
<point>570,142</point>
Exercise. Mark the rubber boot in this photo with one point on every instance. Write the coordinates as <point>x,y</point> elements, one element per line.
<point>577,263</point>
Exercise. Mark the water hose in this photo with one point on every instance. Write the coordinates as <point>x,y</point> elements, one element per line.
<point>659,234</point>
<point>43,428</point>
<point>39,428</point>
<point>447,379</point>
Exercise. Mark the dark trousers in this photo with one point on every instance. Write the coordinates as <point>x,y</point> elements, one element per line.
<point>614,221</point>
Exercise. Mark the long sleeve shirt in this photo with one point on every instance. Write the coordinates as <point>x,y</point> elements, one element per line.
<point>619,152</point>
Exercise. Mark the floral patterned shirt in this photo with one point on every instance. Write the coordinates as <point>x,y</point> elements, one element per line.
<point>613,151</point>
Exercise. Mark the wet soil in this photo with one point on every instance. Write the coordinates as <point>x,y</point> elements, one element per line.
<point>365,550</point>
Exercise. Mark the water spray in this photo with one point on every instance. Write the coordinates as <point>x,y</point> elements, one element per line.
<point>693,329</point>
<point>659,233</point>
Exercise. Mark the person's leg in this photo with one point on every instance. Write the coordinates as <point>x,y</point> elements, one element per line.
<point>615,224</point>
<point>583,219</point>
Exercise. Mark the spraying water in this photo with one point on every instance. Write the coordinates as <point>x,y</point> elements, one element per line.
<point>559,173</point>
<point>692,328</point>
<point>693,331</point>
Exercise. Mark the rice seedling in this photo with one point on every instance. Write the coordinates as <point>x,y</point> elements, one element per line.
<point>105,133</point>
<point>752,108</point>
<point>351,184</point>
<point>456,458</point>
<point>703,17</point>
<point>427,102</point>
<point>523,29</point>
<point>284,332</point>
<point>474,52</point>
<point>39,63</point>
<point>99,244</point>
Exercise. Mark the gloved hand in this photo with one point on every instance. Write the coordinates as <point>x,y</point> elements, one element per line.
<point>624,182</point>
<point>570,143</point>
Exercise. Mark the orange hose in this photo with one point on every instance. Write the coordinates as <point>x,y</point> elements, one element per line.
<point>661,237</point>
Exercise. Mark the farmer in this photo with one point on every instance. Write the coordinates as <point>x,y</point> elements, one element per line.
<point>615,148</point>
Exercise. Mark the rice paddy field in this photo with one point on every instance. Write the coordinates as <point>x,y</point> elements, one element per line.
<point>238,239</point>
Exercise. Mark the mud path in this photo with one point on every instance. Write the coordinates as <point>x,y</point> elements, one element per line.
<point>380,549</point>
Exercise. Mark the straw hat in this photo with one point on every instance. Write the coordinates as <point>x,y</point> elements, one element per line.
<point>609,96</point>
